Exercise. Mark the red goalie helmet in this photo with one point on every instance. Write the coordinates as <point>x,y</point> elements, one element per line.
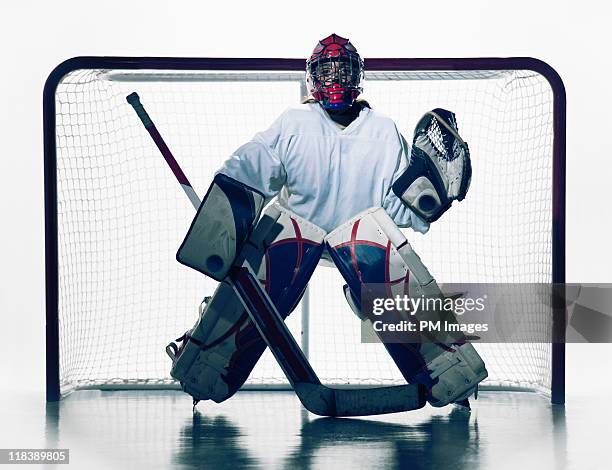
<point>334,72</point>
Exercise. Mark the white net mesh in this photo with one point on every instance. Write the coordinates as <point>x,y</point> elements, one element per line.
<point>121,214</point>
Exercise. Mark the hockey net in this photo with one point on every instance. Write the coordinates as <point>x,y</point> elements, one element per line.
<point>119,296</point>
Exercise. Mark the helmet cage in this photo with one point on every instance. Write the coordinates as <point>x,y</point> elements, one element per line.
<point>334,74</point>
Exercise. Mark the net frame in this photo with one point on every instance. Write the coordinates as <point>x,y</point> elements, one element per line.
<point>426,67</point>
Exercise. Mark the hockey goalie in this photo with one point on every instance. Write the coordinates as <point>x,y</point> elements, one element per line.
<point>330,178</point>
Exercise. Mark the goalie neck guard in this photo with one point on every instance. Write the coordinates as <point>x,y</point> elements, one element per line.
<point>334,72</point>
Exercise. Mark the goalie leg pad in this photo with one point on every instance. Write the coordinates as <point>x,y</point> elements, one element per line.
<point>221,226</point>
<point>205,352</point>
<point>371,249</point>
<point>220,352</point>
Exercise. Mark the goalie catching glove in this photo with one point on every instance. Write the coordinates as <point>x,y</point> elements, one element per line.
<point>440,168</point>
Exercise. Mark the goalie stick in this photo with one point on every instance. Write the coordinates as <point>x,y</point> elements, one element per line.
<point>316,397</point>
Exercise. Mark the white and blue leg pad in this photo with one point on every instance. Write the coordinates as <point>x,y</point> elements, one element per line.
<point>369,248</point>
<point>217,355</point>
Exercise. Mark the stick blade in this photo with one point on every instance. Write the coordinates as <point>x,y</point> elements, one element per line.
<point>325,401</point>
<point>375,401</point>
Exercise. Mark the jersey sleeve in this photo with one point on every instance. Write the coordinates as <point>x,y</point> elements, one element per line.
<point>393,205</point>
<point>258,162</point>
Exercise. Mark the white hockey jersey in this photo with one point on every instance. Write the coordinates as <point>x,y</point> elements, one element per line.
<point>324,173</point>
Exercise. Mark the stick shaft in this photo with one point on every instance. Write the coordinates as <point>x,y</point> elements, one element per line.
<point>134,100</point>
<point>271,326</point>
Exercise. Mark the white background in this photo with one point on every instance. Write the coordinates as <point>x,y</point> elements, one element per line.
<point>573,37</point>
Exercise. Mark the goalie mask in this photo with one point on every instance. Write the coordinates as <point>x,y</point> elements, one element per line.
<point>334,72</point>
<point>440,167</point>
